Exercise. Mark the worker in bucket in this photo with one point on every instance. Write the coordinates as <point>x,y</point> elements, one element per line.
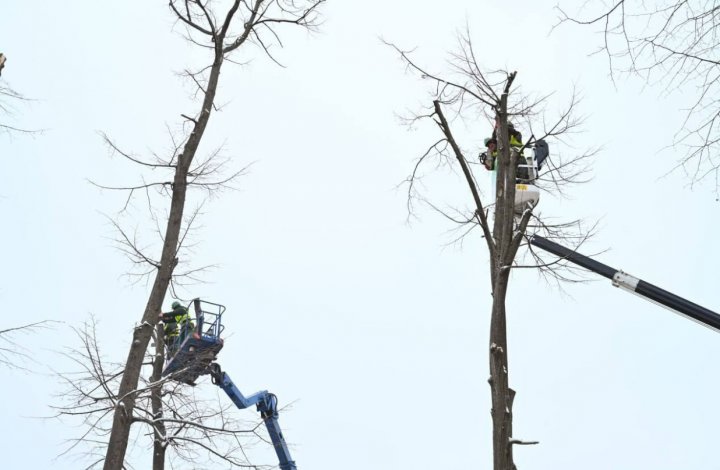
<point>177,326</point>
<point>489,157</point>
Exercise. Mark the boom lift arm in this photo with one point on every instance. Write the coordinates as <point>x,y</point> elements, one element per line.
<point>193,352</point>
<point>266,404</point>
<point>635,285</point>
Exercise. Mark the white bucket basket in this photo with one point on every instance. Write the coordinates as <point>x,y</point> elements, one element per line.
<point>526,195</point>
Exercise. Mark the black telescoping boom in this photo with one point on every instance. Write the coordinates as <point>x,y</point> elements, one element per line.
<point>637,286</point>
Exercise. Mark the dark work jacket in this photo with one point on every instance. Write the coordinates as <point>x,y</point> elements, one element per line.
<point>178,316</point>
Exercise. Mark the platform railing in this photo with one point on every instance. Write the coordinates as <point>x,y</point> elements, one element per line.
<point>209,318</point>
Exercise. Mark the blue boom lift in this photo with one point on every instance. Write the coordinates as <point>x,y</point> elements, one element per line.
<point>193,352</point>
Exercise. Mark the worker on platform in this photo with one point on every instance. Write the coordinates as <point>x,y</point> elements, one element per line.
<point>488,158</point>
<point>177,326</point>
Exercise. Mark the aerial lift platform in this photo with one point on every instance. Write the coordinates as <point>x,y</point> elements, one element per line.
<point>194,353</point>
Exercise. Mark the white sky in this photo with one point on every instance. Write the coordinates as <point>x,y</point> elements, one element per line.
<point>375,329</point>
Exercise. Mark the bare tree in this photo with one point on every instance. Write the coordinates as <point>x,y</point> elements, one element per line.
<point>675,44</point>
<point>221,31</point>
<point>470,95</point>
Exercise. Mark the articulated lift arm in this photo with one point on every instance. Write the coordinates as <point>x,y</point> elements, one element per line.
<point>637,286</point>
<point>266,404</point>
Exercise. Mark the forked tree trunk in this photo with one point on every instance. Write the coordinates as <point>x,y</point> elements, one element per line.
<point>503,242</point>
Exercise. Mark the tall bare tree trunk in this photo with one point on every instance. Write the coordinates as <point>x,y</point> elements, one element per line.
<point>507,238</point>
<point>122,418</point>
<point>256,20</point>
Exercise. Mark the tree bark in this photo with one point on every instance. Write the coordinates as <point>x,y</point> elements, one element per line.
<point>499,381</point>
<point>159,431</point>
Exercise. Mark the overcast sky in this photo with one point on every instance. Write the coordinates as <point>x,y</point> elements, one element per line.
<point>375,329</point>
